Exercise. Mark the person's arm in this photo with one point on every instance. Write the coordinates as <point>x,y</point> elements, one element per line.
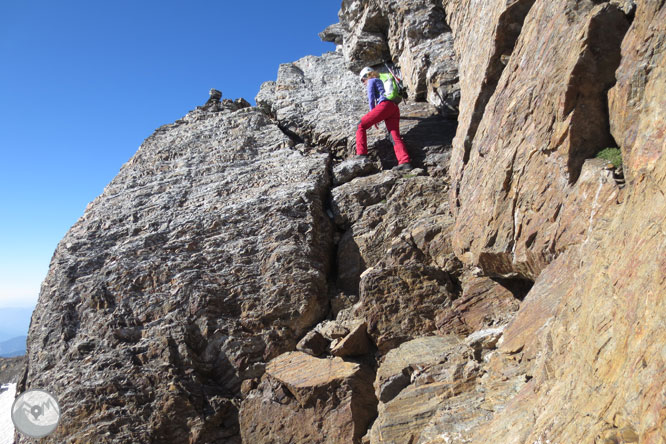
<point>375,92</point>
<point>372,98</point>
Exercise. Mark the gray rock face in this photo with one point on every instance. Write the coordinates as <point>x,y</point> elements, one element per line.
<point>350,199</point>
<point>352,168</point>
<point>318,100</point>
<point>414,35</point>
<point>203,259</point>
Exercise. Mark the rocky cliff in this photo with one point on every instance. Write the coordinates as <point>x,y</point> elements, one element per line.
<point>245,279</point>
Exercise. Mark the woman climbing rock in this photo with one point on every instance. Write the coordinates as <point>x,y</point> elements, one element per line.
<point>381,110</point>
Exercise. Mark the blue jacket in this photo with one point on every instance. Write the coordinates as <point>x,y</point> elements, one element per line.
<point>375,92</point>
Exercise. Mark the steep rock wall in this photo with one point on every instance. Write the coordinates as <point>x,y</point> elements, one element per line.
<point>599,372</point>
<point>516,175</point>
<point>513,297</point>
<point>414,35</point>
<point>485,34</point>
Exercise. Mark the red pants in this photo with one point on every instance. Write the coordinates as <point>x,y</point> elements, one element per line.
<point>388,112</point>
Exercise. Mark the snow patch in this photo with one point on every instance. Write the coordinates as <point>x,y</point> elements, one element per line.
<point>7,395</point>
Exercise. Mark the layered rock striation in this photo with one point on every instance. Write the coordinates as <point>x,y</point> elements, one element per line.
<point>245,279</point>
<point>207,256</point>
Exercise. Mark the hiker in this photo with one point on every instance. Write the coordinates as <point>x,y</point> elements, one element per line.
<point>381,109</point>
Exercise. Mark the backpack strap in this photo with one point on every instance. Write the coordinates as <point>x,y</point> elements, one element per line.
<point>392,73</point>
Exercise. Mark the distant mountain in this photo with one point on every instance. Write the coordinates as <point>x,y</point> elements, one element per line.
<point>13,347</point>
<point>10,371</point>
<point>14,322</point>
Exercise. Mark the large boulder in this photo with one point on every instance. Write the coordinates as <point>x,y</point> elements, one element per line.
<point>304,400</point>
<point>203,259</point>
<point>401,303</point>
<point>349,201</point>
<point>395,220</point>
<point>400,365</point>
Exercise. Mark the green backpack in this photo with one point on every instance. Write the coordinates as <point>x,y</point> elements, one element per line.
<point>392,89</point>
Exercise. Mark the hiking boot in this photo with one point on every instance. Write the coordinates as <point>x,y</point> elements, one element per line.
<point>403,167</point>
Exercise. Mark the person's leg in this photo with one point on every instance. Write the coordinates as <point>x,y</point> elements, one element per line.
<point>361,140</point>
<point>393,127</point>
<point>375,116</point>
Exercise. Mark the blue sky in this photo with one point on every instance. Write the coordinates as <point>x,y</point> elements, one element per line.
<point>83,83</point>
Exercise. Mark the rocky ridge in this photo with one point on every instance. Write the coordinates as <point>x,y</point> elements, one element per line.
<point>244,279</point>
<point>11,369</point>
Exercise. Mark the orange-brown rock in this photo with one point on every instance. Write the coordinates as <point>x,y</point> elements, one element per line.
<point>483,303</point>
<point>538,309</point>
<point>434,388</point>
<point>599,371</point>
<point>486,393</point>
<point>485,32</point>
<point>404,417</point>
<point>513,179</point>
<point>303,399</point>
<point>356,343</point>
<point>400,303</point>
<point>413,381</point>
<point>636,102</point>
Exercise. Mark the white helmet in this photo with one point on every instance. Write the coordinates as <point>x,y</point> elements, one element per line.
<point>364,72</point>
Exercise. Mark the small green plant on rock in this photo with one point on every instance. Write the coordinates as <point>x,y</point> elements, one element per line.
<point>613,155</point>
